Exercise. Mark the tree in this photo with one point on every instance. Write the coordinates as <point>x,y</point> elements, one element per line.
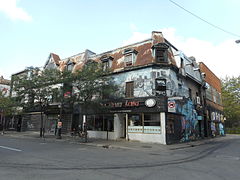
<point>92,84</point>
<point>231,100</point>
<point>6,107</point>
<point>36,88</point>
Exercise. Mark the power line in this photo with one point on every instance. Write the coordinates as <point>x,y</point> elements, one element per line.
<point>215,26</point>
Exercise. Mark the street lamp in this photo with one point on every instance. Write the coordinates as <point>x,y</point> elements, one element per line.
<point>237,41</point>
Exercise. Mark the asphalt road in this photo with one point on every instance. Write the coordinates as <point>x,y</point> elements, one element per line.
<point>35,159</point>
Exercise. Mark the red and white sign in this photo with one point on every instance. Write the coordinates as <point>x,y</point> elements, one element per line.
<point>171,106</point>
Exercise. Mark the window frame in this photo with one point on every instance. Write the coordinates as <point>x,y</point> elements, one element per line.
<point>127,53</point>
<point>106,62</point>
<point>129,89</point>
<point>160,47</point>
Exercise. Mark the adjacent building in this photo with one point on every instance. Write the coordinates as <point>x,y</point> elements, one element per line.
<point>213,102</point>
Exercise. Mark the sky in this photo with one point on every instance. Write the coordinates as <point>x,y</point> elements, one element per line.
<point>31,29</point>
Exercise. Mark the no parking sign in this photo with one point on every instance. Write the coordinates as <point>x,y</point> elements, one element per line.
<point>171,106</point>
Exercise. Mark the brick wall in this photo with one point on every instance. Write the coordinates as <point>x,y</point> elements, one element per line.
<point>210,78</point>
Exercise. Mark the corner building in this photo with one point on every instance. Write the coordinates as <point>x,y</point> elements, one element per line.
<point>160,97</point>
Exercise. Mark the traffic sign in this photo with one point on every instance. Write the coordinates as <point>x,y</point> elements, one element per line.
<point>171,106</point>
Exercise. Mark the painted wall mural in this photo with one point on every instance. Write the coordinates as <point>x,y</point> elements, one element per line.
<point>189,119</point>
<point>143,82</point>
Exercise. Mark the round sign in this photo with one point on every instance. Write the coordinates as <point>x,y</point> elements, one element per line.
<point>150,102</point>
<point>171,104</point>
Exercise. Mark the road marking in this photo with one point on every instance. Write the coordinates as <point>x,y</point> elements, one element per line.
<point>12,149</point>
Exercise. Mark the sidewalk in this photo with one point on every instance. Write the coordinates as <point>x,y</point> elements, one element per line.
<point>120,144</point>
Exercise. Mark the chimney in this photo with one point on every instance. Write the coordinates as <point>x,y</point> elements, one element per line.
<point>157,37</point>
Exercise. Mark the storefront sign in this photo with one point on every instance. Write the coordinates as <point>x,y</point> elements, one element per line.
<point>143,104</point>
<point>132,103</point>
<point>127,103</point>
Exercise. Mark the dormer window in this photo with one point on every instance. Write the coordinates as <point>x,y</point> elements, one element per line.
<point>160,51</point>
<point>130,56</point>
<point>70,65</point>
<point>106,62</point>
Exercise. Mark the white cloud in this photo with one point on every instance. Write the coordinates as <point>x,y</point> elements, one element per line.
<point>9,7</point>
<point>223,58</point>
<point>136,37</point>
<point>133,27</point>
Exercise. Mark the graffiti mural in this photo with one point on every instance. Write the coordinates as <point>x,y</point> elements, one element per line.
<point>143,82</point>
<point>189,120</point>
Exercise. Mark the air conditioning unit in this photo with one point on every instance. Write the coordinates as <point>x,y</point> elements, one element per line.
<point>198,100</point>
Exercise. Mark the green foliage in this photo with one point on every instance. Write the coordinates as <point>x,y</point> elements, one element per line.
<point>6,104</point>
<point>37,87</point>
<point>92,83</point>
<point>231,100</point>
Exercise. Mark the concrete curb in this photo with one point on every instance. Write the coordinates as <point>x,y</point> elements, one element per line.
<point>110,144</point>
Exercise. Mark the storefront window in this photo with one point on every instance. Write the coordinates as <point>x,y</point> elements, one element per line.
<point>151,120</point>
<point>90,122</point>
<point>144,123</point>
<point>108,123</point>
<point>134,120</point>
<point>100,122</point>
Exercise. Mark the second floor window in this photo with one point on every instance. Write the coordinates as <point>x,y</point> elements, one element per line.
<point>129,56</point>
<point>161,52</point>
<point>106,62</point>
<point>161,55</point>
<point>160,85</point>
<point>128,60</point>
<point>107,65</point>
<point>129,89</point>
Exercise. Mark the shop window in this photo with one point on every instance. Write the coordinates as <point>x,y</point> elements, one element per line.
<point>129,89</point>
<point>151,120</point>
<point>135,120</point>
<point>108,122</point>
<point>90,122</point>
<point>144,123</point>
<point>100,122</point>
